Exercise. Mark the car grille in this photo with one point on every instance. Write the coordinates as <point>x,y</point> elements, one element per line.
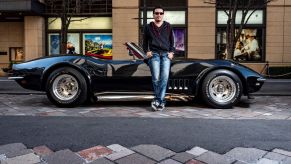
<point>179,84</point>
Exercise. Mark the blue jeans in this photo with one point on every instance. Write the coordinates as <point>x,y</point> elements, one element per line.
<point>160,69</point>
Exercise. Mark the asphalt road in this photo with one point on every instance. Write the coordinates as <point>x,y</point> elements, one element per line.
<point>273,87</point>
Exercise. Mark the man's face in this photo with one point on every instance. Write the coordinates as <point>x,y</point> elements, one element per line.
<point>158,15</point>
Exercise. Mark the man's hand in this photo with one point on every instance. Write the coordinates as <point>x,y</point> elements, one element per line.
<point>149,54</point>
<point>170,55</point>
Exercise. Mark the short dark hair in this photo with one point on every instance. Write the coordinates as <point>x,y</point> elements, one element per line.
<point>158,7</point>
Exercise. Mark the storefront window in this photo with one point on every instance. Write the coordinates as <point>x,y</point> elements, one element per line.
<point>16,54</point>
<point>90,36</point>
<point>250,47</point>
<point>73,44</point>
<point>247,48</point>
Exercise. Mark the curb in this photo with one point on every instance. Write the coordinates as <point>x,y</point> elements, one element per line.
<point>22,93</point>
<point>270,94</point>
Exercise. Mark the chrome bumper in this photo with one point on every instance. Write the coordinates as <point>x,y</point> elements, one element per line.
<point>261,79</point>
<point>15,78</point>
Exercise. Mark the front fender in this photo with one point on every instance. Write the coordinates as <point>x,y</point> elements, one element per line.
<point>205,72</point>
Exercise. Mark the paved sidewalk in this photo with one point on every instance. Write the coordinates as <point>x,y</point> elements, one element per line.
<point>17,153</point>
<point>261,107</point>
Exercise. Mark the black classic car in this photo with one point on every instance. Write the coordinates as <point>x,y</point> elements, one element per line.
<point>70,80</point>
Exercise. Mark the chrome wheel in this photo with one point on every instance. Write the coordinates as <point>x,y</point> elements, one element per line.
<point>65,87</point>
<point>222,89</point>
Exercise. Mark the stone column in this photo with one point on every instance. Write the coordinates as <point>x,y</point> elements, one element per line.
<point>278,37</point>
<point>34,37</point>
<point>124,26</point>
<point>201,30</point>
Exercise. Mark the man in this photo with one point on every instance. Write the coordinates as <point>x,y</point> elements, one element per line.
<point>158,43</point>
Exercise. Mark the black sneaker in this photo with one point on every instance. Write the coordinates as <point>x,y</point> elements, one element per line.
<point>155,105</point>
<point>161,107</point>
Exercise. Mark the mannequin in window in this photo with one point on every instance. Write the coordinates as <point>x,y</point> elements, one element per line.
<point>70,48</point>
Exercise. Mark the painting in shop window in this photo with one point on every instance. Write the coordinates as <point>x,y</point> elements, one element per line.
<point>179,41</point>
<point>98,45</point>
<point>54,43</point>
<point>247,48</point>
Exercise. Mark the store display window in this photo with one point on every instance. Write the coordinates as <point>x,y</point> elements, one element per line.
<point>250,46</point>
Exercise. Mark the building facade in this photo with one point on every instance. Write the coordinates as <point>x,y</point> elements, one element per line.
<point>30,29</point>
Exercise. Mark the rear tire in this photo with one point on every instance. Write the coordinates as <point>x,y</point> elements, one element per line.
<point>221,89</point>
<point>66,87</point>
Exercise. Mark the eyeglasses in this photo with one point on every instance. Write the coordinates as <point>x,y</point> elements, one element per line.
<point>159,13</point>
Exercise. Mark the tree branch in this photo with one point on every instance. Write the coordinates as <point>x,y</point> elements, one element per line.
<point>75,20</point>
<point>52,21</point>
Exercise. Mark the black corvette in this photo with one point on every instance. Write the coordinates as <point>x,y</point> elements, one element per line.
<point>70,80</point>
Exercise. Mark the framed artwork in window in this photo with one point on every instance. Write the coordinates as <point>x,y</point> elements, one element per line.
<point>179,41</point>
<point>98,45</point>
<point>54,43</point>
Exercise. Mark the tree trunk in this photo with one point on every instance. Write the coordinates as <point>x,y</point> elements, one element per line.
<point>64,33</point>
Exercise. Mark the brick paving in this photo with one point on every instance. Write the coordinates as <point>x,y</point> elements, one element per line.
<point>262,107</point>
<point>145,154</point>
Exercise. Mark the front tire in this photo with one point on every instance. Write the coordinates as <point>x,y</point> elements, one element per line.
<point>66,87</point>
<point>221,89</point>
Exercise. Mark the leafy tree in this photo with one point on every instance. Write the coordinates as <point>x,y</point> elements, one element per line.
<point>231,8</point>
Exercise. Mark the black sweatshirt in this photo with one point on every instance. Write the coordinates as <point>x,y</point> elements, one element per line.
<point>158,39</point>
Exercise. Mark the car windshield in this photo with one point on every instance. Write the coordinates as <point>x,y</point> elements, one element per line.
<point>137,50</point>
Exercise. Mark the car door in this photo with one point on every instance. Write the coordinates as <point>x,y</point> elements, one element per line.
<point>129,75</point>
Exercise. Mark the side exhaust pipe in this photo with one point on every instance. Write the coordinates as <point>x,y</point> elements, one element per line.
<point>132,96</point>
